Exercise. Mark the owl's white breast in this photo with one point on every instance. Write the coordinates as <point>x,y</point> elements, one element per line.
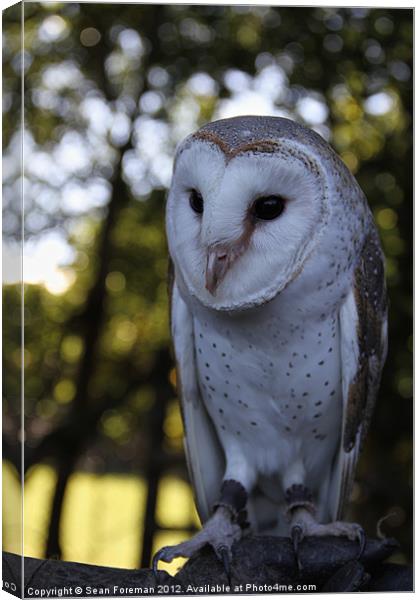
<point>271,382</point>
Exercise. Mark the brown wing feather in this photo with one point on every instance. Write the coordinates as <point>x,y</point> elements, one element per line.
<point>371,303</point>
<point>369,292</point>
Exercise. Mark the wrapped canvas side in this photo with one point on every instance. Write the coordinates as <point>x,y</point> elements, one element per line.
<point>12,323</point>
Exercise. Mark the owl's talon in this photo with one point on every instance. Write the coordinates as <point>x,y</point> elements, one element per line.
<point>160,555</point>
<point>297,536</point>
<point>361,537</point>
<point>224,555</point>
<point>220,532</point>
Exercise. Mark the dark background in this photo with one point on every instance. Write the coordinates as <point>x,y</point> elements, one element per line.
<point>110,90</point>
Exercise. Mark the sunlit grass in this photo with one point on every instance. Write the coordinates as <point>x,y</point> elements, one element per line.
<point>12,509</point>
<point>175,507</point>
<point>38,491</point>
<point>102,519</point>
<point>102,516</point>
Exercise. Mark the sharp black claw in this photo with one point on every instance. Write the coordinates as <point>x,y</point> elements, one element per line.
<point>297,535</point>
<point>155,563</point>
<point>157,557</point>
<point>362,543</point>
<point>224,555</point>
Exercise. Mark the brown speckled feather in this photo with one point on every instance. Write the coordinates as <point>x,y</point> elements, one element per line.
<point>369,292</point>
<point>371,302</point>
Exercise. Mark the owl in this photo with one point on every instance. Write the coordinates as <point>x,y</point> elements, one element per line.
<point>279,326</point>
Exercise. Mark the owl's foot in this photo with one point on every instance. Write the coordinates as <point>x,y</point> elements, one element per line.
<point>221,531</point>
<point>304,524</point>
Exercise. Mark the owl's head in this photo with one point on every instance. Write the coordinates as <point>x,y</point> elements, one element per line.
<point>247,205</point>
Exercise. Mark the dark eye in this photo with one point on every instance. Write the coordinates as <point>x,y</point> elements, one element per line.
<point>196,201</point>
<point>268,207</point>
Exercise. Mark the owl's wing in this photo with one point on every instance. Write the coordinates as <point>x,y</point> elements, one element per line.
<point>363,329</point>
<point>203,451</point>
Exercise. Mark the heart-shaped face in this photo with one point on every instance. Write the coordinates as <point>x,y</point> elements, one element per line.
<point>244,212</point>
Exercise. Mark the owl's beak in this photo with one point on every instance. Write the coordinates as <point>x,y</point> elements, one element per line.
<point>218,261</point>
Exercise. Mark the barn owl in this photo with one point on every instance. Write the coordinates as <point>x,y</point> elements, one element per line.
<point>279,325</point>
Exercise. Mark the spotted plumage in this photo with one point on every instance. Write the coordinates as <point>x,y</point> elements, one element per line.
<point>278,309</point>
